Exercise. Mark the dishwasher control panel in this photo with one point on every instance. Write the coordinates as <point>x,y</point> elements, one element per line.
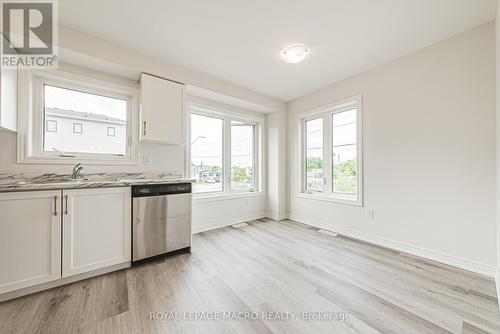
<point>161,189</point>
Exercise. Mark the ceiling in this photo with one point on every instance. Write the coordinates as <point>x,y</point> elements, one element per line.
<point>240,40</point>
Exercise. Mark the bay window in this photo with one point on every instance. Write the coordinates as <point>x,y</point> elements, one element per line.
<point>332,152</point>
<point>224,149</point>
<point>242,156</point>
<point>206,153</point>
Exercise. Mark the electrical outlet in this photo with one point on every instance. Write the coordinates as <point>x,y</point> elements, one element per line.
<point>370,213</point>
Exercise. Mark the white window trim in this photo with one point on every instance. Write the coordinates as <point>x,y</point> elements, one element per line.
<point>30,100</point>
<point>227,116</point>
<point>326,112</point>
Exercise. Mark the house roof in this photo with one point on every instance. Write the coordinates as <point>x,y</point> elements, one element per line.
<point>65,113</point>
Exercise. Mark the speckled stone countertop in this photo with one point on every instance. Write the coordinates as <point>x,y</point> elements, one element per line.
<point>28,182</point>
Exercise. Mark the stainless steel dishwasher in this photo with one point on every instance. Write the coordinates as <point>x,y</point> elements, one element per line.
<point>161,220</point>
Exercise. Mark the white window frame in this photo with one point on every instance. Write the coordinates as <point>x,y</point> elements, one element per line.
<point>31,116</point>
<point>227,116</point>
<point>326,112</point>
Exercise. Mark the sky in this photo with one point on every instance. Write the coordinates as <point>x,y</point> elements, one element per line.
<point>206,142</point>
<point>61,98</point>
<point>343,140</point>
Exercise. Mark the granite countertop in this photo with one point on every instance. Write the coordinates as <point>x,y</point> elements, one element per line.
<point>27,182</point>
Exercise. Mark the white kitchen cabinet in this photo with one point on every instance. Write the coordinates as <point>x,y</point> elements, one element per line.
<point>162,111</point>
<point>96,229</point>
<point>30,238</point>
<point>8,99</point>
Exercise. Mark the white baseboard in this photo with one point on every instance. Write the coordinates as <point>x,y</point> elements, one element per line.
<point>277,216</point>
<point>476,267</point>
<point>227,222</point>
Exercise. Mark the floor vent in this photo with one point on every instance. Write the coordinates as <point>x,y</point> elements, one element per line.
<point>239,225</point>
<point>330,233</point>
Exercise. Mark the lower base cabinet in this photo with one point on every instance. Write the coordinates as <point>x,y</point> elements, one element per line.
<point>48,235</point>
<point>96,229</point>
<point>30,239</point>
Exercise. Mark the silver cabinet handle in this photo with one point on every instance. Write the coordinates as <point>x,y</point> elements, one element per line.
<point>66,200</point>
<point>55,205</point>
<point>144,132</point>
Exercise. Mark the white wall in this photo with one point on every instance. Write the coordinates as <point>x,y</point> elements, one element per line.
<point>85,49</point>
<point>277,166</point>
<point>429,153</point>
<point>209,213</point>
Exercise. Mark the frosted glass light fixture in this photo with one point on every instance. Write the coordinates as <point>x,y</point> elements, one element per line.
<point>295,53</point>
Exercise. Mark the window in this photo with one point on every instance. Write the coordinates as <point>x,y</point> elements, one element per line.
<point>332,142</point>
<point>206,153</point>
<point>50,125</point>
<point>60,105</point>
<point>111,131</point>
<point>224,152</point>
<point>242,156</point>
<point>98,111</point>
<point>314,154</point>
<point>77,128</point>
<point>344,152</point>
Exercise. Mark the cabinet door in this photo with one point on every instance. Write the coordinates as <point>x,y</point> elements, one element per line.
<point>162,111</point>
<point>30,239</point>
<point>96,229</point>
<point>8,98</point>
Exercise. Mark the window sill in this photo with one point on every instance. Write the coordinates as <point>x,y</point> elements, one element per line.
<point>204,198</point>
<point>330,198</point>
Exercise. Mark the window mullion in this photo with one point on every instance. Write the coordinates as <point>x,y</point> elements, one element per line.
<point>227,155</point>
<point>256,162</point>
<point>327,153</point>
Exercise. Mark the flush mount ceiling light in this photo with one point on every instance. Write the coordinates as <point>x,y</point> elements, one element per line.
<point>295,53</point>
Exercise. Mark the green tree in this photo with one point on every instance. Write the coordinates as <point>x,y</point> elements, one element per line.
<point>348,168</point>
<point>344,177</point>
<point>314,163</point>
<point>240,175</point>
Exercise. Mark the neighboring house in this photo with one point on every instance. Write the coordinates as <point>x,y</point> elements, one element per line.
<point>75,131</point>
<point>205,173</point>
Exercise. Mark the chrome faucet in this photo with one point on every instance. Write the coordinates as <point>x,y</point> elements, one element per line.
<point>77,171</point>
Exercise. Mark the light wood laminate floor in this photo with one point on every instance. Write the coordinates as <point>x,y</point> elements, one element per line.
<point>268,267</point>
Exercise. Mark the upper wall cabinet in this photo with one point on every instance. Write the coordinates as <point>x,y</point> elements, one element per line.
<point>8,99</point>
<point>162,111</point>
